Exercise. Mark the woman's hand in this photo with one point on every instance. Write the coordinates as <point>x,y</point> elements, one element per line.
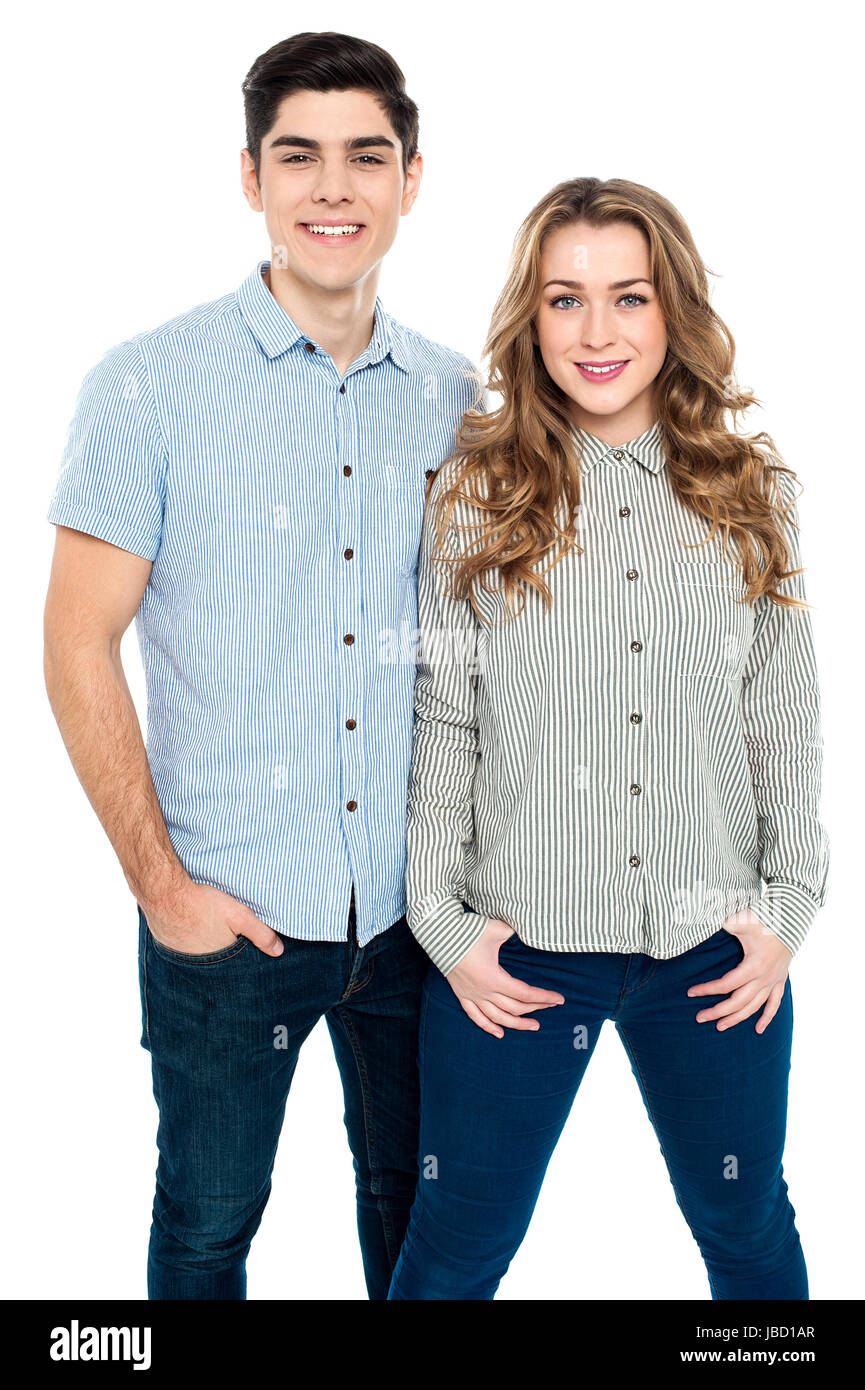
<point>492,998</point>
<point>758,979</point>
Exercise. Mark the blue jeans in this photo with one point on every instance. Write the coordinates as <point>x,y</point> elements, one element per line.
<point>492,1110</point>
<point>224,1032</point>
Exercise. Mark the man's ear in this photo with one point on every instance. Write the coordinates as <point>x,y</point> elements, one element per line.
<point>249,181</point>
<point>411,184</point>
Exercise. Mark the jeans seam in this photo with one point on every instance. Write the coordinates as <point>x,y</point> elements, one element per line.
<point>417,1205</point>
<point>648,1104</point>
<point>204,960</point>
<point>422,1037</point>
<point>369,1133</point>
<point>360,984</point>
<point>145,945</point>
<point>635,989</point>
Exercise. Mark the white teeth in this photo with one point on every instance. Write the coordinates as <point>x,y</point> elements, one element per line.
<point>331,231</point>
<point>601,371</point>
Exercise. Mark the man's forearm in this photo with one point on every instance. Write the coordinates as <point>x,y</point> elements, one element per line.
<point>99,725</point>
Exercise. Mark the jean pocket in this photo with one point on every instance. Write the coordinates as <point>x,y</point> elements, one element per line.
<point>194,958</point>
<point>512,942</point>
<point>722,938</point>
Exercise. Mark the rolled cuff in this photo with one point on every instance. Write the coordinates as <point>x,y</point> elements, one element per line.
<point>448,932</point>
<point>788,912</point>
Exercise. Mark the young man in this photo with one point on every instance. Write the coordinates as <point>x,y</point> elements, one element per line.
<point>248,481</point>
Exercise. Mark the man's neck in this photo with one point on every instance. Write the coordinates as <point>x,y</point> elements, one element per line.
<point>340,322</point>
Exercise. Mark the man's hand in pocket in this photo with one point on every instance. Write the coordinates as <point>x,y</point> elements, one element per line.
<point>200,919</point>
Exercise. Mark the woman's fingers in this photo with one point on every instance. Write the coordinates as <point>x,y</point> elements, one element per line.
<point>506,1019</point>
<point>494,1019</point>
<point>739,975</point>
<point>740,1006</point>
<point>751,1008</point>
<point>477,1017</point>
<point>530,994</point>
<point>515,1006</point>
<point>771,1008</point>
<point>737,1000</point>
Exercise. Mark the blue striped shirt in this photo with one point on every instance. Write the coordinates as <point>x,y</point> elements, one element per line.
<point>281,505</point>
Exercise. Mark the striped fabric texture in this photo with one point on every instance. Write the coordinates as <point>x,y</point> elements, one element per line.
<point>631,769</point>
<point>281,506</point>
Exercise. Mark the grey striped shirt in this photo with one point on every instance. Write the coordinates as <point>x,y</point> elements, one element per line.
<point>627,771</point>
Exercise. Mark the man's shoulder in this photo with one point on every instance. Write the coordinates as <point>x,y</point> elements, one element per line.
<point>426,354</point>
<point>185,336</point>
<point>194,324</point>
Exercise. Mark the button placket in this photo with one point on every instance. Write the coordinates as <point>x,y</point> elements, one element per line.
<point>633,773</point>
<point>616,480</point>
<point>348,512</point>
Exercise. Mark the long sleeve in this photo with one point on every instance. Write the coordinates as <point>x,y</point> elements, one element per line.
<point>782,723</point>
<point>439,826</point>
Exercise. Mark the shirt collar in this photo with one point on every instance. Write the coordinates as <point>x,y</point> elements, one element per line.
<point>647,449</point>
<point>276,331</point>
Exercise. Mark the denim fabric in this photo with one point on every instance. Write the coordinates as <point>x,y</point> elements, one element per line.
<point>224,1031</point>
<point>492,1110</point>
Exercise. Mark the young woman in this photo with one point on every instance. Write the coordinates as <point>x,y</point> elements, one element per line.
<point>613,803</point>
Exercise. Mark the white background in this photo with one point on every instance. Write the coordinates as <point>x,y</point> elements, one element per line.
<point>124,126</point>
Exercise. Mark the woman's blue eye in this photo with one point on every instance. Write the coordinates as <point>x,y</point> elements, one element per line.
<point>561,298</point>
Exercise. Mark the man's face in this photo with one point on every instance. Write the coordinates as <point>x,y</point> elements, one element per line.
<point>331,160</point>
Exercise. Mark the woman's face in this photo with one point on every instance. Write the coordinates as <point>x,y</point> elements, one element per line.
<point>599,327</point>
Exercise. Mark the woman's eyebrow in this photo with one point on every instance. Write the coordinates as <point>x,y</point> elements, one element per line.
<point>616,285</point>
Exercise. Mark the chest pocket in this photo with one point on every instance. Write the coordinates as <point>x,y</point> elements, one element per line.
<point>715,625</point>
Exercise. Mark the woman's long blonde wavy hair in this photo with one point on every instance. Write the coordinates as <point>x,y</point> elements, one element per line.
<point>520,461</point>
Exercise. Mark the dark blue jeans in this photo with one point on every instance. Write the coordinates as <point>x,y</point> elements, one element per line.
<point>224,1032</point>
<point>492,1110</point>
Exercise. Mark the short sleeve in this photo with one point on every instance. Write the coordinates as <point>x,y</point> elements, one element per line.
<point>111,482</point>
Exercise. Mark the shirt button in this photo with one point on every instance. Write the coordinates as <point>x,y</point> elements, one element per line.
<point>618,454</point>
<point>633,574</point>
<point>636,646</point>
<point>351,805</point>
<point>351,724</point>
<point>624,511</point>
<point>636,718</point>
<point>310,347</point>
<point>342,389</point>
<point>348,639</point>
<point>635,789</point>
<point>634,860</point>
<point>348,554</point>
<point>346,468</point>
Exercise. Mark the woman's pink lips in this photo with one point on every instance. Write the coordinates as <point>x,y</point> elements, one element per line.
<point>594,376</point>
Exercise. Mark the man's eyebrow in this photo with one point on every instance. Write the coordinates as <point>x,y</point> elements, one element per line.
<point>360,142</point>
<point>578,285</point>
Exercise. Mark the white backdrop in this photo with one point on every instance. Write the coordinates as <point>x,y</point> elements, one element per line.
<point>123,128</point>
